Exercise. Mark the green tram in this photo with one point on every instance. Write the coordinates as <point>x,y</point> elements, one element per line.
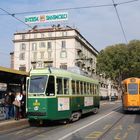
<point>56,94</point>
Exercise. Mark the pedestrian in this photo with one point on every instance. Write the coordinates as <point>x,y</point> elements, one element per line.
<point>11,110</point>
<point>17,105</point>
<point>7,105</point>
<point>23,105</point>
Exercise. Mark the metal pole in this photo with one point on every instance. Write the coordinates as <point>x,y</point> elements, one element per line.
<point>29,53</point>
<point>55,46</point>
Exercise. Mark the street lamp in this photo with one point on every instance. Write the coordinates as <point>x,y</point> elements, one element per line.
<point>54,28</point>
<point>29,58</point>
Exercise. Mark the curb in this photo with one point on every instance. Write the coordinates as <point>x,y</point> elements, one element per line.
<point>13,125</point>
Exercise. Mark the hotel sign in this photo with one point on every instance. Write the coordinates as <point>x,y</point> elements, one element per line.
<point>46,18</point>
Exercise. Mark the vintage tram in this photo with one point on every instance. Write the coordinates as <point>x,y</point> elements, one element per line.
<point>131,94</point>
<point>56,94</point>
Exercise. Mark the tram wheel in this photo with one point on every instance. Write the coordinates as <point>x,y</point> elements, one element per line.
<point>95,111</point>
<point>75,116</point>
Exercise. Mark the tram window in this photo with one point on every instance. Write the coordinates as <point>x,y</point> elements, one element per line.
<point>59,86</point>
<point>88,88</point>
<point>133,88</point>
<point>91,88</point>
<point>85,88</point>
<point>50,91</point>
<point>139,88</point>
<point>77,87</point>
<point>73,87</point>
<point>37,84</point>
<point>94,92</point>
<point>66,86</point>
<point>124,88</point>
<point>81,87</point>
<point>95,89</point>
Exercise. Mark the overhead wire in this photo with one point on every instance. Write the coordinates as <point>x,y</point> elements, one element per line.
<point>61,9</point>
<point>122,28</point>
<point>120,3</point>
<point>70,8</point>
<point>13,15</point>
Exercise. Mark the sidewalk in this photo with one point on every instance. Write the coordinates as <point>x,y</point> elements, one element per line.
<point>102,102</point>
<point>11,125</point>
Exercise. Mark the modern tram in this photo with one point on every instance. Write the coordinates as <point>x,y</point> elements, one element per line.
<point>56,94</point>
<point>131,94</point>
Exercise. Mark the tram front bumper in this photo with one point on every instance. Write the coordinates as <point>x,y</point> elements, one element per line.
<point>132,108</point>
<point>37,115</point>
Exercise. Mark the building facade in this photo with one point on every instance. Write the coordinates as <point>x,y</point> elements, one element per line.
<point>60,47</point>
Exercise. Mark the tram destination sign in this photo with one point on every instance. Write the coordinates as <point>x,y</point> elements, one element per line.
<point>46,18</point>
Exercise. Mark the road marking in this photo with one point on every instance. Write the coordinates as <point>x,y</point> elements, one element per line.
<point>69,134</point>
<point>107,126</point>
<point>119,137</point>
<point>94,135</point>
<point>119,127</point>
<point>130,127</point>
<point>33,132</point>
<point>21,131</point>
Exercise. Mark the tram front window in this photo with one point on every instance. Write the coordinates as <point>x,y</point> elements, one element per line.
<point>38,84</point>
<point>133,88</point>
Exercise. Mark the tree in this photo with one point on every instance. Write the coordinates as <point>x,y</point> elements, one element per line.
<point>113,62</point>
<point>134,58</point>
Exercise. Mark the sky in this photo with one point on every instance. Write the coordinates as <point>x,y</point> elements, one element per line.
<point>99,25</point>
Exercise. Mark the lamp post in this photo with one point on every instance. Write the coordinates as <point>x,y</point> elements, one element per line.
<point>54,29</point>
<point>29,57</point>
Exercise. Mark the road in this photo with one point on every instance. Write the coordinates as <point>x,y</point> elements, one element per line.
<point>109,124</point>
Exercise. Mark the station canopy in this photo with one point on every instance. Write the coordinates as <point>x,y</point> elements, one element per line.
<point>11,76</point>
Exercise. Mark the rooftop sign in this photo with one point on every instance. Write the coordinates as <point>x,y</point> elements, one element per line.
<point>46,18</point>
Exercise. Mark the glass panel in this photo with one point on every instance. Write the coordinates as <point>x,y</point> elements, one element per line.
<point>133,88</point>
<point>88,88</point>
<point>49,46</point>
<point>85,88</point>
<point>37,84</point>
<point>63,44</point>
<point>42,45</point>
<point>73,87</point>
<point>77,86</point>
<point>66,86</point>
<point>23,47</point>
<point>22,56</point>
<point>81,87</point>
<point>34,46</point>
<point>59,86</point>
<point>50,86</point>
<point>63,54</point>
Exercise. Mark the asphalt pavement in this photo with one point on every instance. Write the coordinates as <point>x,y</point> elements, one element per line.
<point>12,125</point>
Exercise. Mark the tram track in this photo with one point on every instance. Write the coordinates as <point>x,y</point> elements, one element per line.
<point>111,128</point>
<point>29,132</point>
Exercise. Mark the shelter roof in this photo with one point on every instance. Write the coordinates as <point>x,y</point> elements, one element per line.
<point>12,76</point>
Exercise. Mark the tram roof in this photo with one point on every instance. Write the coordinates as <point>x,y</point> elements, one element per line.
<point>8,75</point>
<point>62,73</point>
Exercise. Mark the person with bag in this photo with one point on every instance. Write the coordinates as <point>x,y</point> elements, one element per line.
<point>17,104</point>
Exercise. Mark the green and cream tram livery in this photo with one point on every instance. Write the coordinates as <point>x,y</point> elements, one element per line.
<point>56,94</point>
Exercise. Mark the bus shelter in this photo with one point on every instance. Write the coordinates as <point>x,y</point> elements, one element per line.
<point>11,81</point>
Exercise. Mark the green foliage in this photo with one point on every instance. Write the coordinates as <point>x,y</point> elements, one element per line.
<point>134,58</point>
<point>120,61</point>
